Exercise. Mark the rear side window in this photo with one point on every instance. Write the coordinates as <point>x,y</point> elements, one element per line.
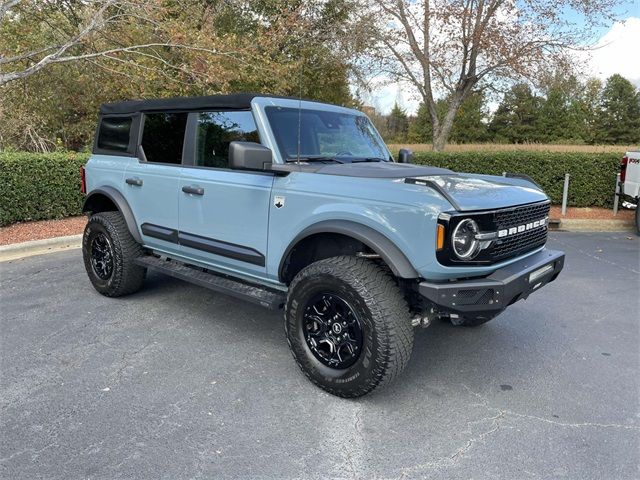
<point>163,137</point>
<point>114,133</point>
<point>216,130</point>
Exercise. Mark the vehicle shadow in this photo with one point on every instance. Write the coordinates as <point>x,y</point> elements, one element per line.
<point>202,302</point>
<point>447,358</point>
<point>442,354</point>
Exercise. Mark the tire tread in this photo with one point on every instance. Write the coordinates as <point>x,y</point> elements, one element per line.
<point>129,277</point>
<point>389,310</point>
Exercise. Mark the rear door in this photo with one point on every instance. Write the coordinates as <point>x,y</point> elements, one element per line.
<point>152,182</point>
<point>224,213</point>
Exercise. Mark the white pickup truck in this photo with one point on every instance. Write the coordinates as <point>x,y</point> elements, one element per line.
<point>630,181</point>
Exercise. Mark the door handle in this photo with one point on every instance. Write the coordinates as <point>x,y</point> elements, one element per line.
<point>193,190</point>
<point>134,181</point>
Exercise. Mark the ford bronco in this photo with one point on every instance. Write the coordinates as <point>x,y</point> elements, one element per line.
<point>299,205</point>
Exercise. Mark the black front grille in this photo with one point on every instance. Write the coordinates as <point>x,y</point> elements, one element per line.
<point>513,217</point>
<point>512,244</point>
<point>518,243</point>
<point>522,242</point>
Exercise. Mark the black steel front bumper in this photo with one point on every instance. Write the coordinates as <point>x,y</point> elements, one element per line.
<point>490,295</point>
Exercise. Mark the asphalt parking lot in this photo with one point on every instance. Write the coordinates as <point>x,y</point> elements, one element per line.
<point>178,382</point>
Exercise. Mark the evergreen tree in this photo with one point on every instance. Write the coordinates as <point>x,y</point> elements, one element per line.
<point>620,120</point>
<point>590,104</point>
<point>560,115</point>
<point>469,123</point>
<point>397,124</point>
<point>420,130</point>
<point>516,119</point>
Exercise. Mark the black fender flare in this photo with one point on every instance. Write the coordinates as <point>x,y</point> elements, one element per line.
<point>376,241</point>
<point>121,203</point>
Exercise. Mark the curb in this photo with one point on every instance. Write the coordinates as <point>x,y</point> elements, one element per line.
<point>594,225</point>
<point>39,247</point>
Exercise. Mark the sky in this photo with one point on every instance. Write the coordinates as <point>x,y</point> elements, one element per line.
<point>617,50</point>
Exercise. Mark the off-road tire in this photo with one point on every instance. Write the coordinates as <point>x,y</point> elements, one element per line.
<point>126,277</point>
<point>383,312</point>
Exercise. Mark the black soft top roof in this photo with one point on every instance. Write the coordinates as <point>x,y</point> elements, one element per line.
<point>238,101</point>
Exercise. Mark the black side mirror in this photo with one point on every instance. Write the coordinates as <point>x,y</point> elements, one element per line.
<point>249,156</point>
<point>405,156</point>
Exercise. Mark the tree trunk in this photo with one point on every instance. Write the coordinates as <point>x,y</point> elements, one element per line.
<point>442,131</point>
<point>440,140</point>
<point>441,134</point>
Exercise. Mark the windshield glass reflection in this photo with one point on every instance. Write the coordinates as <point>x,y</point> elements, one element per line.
<point>325,135</point>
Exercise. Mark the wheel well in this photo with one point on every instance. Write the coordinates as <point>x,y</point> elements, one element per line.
<point>99,202</point>
<point>318,247</point>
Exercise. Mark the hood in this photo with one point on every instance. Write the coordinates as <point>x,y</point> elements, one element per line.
<point>468,193</point>
<point>380,170</point>
<point>465,191</point>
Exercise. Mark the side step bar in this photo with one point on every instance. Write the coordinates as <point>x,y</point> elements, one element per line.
<point>271,299</point>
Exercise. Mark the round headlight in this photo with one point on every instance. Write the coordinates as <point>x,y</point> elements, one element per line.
<point>464,240</point>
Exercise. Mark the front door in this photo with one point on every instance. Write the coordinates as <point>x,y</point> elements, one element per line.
<point>224,213</point>
<point>152,183</point>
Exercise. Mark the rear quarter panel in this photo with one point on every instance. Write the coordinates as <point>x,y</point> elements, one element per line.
<point>106,170</point>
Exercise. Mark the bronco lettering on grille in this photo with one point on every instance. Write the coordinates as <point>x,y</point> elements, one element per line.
<point>522,228</point>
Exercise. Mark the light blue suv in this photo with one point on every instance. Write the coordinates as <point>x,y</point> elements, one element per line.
<point>299,205</point>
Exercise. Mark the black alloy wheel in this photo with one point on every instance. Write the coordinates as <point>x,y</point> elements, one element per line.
<point>332,331</point>
<point>102,256</point>
<point>109,252</point>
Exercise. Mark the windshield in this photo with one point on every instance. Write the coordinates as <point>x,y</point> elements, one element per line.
<point>325,135</point>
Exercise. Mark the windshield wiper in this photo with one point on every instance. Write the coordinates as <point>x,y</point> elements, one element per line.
<point>318,158</point>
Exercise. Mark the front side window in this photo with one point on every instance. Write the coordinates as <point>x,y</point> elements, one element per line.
<point>114,133</point>
<point>216,130</point>
<point>325,134</point>
<point>163,137</point>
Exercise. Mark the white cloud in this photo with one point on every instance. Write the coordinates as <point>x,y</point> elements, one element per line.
<point>618,52</point>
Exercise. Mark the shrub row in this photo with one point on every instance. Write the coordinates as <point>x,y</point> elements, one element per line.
<point>593,175</point>
<point>46,186</point>
<point>39,186</point>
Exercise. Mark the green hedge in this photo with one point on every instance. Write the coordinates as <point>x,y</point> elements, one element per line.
<point>39,186</point>
<point>47,185</point>
<point>593,175</point>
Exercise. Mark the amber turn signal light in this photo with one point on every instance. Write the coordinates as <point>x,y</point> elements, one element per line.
<point>440,237</point>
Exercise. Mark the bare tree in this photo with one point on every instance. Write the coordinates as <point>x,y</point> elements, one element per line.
<point>34,60</point>
<point>87,34</point>
<point>448,48</point>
